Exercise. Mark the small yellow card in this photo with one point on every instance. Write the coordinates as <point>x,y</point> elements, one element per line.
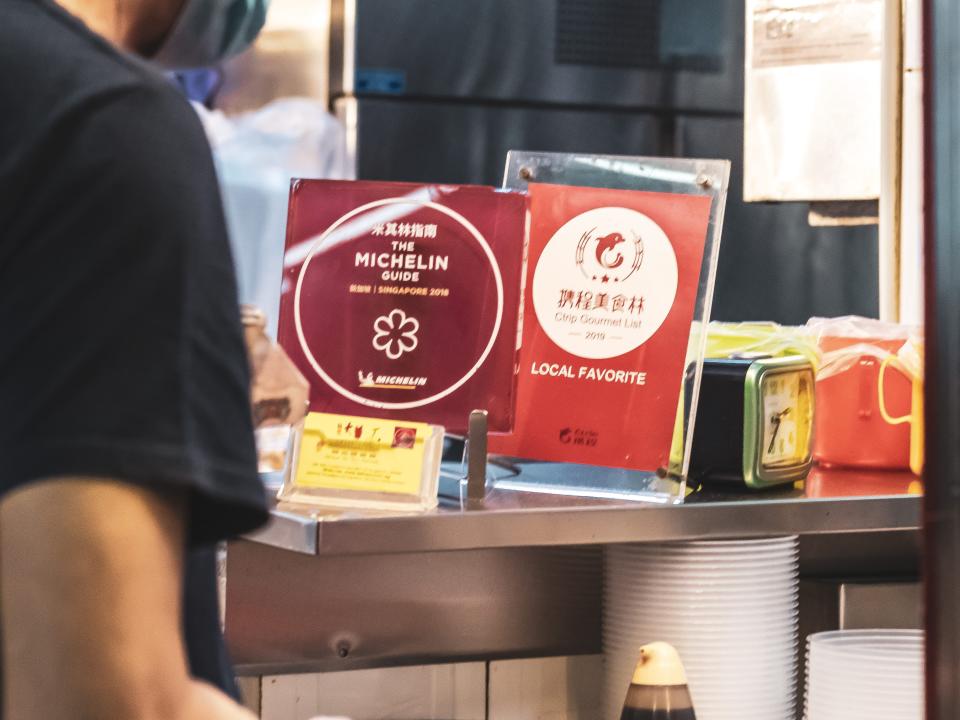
<point>340,452</point>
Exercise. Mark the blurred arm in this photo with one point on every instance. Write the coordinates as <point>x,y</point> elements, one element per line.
<point>90,595</point>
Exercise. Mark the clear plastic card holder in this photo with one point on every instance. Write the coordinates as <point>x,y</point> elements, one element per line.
<point>688,177</point>
<point>361,463</point>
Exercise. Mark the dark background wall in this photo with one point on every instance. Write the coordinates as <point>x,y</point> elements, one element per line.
<point>446,87</point>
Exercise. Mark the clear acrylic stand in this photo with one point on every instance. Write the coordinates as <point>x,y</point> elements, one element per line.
<point>664,175</point>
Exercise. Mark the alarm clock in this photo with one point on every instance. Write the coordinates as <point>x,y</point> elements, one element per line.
<point>754,421</point>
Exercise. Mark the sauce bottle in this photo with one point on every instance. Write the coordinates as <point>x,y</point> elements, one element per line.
<point>658,689</point>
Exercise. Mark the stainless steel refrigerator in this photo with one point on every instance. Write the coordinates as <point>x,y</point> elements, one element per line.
<point>440,90</point>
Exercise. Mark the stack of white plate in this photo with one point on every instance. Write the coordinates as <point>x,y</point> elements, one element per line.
<point>865,675</point>
<point>729,607</point>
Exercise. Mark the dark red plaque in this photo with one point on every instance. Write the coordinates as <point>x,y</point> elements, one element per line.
<point>401,300</point>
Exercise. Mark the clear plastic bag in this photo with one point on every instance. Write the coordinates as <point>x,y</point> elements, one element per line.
<point>855,326</point>
<point>762,338</point>
<point>843,341</point>
<point>257,154</point>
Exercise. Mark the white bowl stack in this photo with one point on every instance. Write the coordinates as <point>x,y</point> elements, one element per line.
<point>865,675</point>
<point>729,607</point>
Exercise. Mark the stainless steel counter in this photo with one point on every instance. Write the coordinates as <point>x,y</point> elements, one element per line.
<point>520,574</point>
<point>523,519</point>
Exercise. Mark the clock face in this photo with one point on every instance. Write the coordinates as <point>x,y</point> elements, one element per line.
<point>786,418</point>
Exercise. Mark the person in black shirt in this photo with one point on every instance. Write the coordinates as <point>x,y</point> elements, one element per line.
<point>126,445</point>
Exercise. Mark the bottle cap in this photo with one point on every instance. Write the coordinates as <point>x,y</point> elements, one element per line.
<point>659,664</point>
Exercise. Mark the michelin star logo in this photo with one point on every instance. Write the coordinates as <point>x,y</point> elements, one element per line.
<point>395,333</point>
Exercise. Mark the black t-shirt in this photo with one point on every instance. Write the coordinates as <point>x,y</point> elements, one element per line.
<point>121,351</point>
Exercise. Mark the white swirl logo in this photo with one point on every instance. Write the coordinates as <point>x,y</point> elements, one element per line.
<point>395,333</point>
<point>618,291</point>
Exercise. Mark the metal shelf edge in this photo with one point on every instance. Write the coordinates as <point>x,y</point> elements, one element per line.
<point>560,526</point>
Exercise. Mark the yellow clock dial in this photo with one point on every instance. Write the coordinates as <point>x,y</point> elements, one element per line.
<point>786,418</point>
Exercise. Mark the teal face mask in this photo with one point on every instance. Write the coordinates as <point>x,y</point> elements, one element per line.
<point>209,31</point>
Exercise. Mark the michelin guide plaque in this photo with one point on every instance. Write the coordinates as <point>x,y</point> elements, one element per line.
<point>611,289</point>
<point>401,300</point>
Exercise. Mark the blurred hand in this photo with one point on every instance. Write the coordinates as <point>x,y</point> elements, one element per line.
<point>208,703</point>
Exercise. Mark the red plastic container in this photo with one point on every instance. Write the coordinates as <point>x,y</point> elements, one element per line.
<point>849,430</point>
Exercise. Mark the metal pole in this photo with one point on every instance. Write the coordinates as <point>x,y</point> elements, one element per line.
<point>890,166</point>
<point>942,245</point>
<point>477,456</point>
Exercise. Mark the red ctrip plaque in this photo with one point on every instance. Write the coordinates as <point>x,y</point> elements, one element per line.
<point>401,300</point>
<point>611,290</point>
